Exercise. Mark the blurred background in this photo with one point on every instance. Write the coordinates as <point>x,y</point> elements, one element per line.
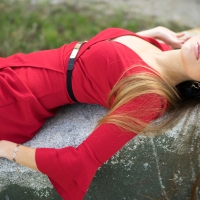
<point>30,25</point>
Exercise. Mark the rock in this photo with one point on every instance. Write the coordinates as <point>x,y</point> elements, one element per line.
<point>71,125</point>
<point>146,168</point>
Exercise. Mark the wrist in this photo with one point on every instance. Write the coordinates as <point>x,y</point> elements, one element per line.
<point>24,155</point>
<point>155,32</point>
<point>6,149</point>
<point>158,32</point>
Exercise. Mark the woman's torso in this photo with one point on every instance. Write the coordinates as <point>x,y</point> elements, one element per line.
<point>35,83</point>
<point>100,66</point>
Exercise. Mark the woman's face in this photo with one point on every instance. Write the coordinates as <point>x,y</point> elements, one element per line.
<point>190,53</point>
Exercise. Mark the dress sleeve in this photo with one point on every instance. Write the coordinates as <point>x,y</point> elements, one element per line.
<point>71,170</point>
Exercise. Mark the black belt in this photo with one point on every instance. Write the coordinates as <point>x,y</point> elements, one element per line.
<point>70,68</point>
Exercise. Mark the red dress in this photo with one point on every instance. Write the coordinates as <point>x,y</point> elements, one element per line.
<point>33,86</point>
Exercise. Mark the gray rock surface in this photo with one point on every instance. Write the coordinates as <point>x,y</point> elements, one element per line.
<point>69,127</point>
<point>161,167</point>
<point>146,168</point>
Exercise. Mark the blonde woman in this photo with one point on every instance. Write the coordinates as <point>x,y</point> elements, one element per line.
<point>137,76</point>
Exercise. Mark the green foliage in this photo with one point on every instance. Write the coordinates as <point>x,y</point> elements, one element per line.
<point>29,27</point>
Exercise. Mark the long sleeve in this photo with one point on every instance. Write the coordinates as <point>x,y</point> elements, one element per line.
<point>71,170</point>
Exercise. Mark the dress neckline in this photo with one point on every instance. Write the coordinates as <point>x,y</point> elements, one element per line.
<point>135,54</point>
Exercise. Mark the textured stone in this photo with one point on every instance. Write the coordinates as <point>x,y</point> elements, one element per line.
<point>71,125</point>
<point>146,168</point>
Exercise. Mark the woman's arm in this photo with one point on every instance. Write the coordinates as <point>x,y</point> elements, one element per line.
<point>24,156</point>
<point>175,40</point>
<point>149,33</point>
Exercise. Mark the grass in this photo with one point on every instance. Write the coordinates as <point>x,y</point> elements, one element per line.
<point>29,27</point>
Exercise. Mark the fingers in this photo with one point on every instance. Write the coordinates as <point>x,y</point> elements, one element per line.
<point>175,40</point>
<point>177,45</point>
<point>181,39</point>
<point>183,35</point>
<point>178,42</point>
<point>180,34</point>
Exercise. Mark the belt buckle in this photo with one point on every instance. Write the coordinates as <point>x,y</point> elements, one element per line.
<point>76,49</point>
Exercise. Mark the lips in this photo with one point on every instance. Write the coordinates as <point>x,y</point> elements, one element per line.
<point>197,51</point>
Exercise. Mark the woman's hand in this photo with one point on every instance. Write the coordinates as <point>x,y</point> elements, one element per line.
<point>175,40</point>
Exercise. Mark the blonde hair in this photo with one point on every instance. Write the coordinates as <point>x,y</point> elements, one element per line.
<point>179,101</point>
<point>131,87</point>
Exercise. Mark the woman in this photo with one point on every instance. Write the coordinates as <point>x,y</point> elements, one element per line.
<point>133,75</point>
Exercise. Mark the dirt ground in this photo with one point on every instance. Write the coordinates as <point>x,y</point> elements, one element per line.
<point>182,11</point>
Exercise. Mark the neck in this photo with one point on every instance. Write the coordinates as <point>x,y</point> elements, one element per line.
<point>170,66</point>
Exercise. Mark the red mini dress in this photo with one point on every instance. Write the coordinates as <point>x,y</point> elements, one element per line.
<point>33,86</point>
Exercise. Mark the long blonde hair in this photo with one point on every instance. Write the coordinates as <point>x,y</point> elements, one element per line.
<point>131,87</point>
<point>179,100</point>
